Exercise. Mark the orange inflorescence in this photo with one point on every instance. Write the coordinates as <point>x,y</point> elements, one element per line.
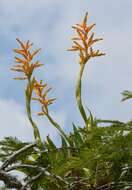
<point>41,96</point>
<point>24,64</point>
<point>84,41</point>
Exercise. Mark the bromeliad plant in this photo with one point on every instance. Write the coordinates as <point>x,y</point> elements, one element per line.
<point>27,67</point>
<point>89,158</point>
<point>83,43</point>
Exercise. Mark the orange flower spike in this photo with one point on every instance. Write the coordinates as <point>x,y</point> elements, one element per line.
<point>25,64</point>
<point>41,94</point>
<point>38,87</point>
<point>86,41</point>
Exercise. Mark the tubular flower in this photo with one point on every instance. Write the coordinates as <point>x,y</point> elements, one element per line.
<point>41,96</point>
<point>24,63</point>
<point>84,41</point>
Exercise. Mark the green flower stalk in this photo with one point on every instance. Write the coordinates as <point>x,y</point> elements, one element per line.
<point>28,94</point>
<point>58,127</point>
<point>78,94</point>
<point>25,66</point>
<point>83,43</point>
<point>41,96</point>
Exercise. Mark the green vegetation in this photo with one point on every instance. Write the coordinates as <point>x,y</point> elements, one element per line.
<point>97,156</point>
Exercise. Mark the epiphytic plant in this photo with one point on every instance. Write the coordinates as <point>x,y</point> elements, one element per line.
<point>83,43</point>
<point>26,66</point>
<point>93,157</point>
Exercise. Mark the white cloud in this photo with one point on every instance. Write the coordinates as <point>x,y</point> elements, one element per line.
<point>14,122</point>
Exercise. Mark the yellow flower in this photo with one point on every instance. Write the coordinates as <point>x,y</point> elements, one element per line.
<point>24,63</point>
<point>84,41</point>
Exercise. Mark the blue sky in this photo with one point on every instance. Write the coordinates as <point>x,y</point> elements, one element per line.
<point>47,23</point>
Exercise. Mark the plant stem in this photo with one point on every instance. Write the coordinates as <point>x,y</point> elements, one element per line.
<point>57,126</point>
<point>28,109</point>
<point>78,94</point>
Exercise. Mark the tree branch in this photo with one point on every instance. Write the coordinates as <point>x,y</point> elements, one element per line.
<point>39,169</point>
<point>10,181</point>
<point>17,153</point>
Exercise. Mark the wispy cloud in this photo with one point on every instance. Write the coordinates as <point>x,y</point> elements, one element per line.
<point>14,122</point>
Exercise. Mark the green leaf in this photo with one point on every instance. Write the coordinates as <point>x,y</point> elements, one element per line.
<point>77,136</point>
<point>64,147</point>
<point>49,144</point>
<point>126,95</point>
<point>90,120</point>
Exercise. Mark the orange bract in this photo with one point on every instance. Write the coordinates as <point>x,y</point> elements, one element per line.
<point>83,41</point>
<point>24,64</point>
<point>41,96</point>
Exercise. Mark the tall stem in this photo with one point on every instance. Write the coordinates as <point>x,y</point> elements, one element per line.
<point>57,126</point>
<point>28,109</point>
<point>78,94</point>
